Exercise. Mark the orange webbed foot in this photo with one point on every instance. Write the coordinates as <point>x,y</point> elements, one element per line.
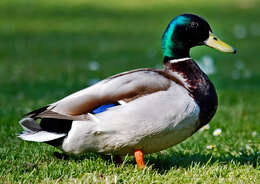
<point>139,157</point>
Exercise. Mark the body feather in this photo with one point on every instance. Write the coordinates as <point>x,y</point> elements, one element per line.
<point>146,108</point>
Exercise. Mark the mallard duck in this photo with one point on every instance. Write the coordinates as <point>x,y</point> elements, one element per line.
<point>140,111</point>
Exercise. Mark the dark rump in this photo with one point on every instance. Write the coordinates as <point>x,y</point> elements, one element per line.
<point>56,125</point>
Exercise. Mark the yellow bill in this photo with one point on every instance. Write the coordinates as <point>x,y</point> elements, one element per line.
<point>216,43</point>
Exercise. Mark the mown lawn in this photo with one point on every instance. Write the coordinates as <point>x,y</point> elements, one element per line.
<point>49,49</point>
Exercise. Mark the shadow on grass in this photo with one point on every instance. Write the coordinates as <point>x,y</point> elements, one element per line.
<point>83,156</point>
<point>164,162</point>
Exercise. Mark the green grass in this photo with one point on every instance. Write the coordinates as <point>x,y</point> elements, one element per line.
<point>45,48</point>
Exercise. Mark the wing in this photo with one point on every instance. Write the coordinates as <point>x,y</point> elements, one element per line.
<point>125,87</point>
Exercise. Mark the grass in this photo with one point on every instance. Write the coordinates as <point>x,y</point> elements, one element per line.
<point>45,50</point>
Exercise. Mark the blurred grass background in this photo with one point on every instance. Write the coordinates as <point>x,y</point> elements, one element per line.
<point>49,49</point>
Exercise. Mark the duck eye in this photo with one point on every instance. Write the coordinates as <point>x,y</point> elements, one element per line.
<point>194,24</point>
<point>215,38</point>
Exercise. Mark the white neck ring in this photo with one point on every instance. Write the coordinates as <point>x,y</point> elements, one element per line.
<point>179,60</point>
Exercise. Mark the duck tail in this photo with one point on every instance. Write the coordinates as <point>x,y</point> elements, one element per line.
<point>34,132</point>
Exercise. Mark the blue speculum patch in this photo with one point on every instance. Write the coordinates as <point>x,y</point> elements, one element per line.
<point>103,108</point>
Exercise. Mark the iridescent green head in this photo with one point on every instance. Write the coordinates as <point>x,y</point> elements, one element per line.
<point>186,31</point>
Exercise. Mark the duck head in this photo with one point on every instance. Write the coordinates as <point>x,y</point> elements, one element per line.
<point>186,31</point>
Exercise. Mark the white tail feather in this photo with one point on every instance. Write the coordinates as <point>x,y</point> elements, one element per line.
<point>41,136</point>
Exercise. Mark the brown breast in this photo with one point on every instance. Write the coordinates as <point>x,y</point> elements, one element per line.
<point>199,86</point>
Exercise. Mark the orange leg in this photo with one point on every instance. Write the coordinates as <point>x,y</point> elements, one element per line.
<point>139,157</point>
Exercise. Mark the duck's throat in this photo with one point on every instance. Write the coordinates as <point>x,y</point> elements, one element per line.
<point>172,52</point>
<point>198,85</point>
